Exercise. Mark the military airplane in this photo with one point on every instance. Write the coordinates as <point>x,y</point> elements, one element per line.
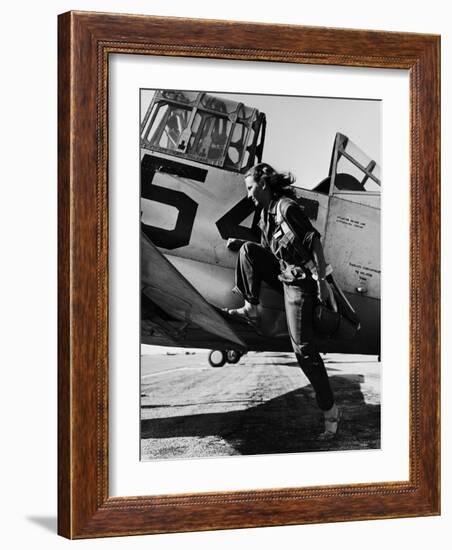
<point>195,149</point>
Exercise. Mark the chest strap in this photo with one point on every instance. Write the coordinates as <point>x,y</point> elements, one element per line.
<point>289,237</point>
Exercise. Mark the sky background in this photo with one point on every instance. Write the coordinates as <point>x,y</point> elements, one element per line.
<point>301,130</point>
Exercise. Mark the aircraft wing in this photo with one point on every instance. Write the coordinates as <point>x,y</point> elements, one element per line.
<point>169,296</point>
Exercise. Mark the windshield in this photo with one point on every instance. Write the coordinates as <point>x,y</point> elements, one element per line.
<point>204,128</point>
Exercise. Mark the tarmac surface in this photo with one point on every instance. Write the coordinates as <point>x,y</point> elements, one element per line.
<point>262,405</point>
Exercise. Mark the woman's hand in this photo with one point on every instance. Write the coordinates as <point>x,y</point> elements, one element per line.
<point>234,244</point>
<point>322,291</point>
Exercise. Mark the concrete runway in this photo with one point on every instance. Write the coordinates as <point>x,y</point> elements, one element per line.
<point>262,405</point>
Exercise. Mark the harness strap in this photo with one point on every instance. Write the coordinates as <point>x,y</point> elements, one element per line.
<point>289,237</point>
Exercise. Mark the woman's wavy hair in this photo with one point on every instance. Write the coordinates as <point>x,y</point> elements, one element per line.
<point>279,183</point>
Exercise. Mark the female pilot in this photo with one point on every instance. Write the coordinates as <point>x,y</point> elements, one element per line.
<point>289,254</point>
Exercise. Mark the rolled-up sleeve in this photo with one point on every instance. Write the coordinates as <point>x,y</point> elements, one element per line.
<point>263,235</point>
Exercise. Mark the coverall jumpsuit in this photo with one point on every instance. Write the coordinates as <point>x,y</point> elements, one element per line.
<point>278,262</point>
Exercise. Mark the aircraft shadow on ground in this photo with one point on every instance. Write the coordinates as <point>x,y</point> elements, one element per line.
<point>285,424</point>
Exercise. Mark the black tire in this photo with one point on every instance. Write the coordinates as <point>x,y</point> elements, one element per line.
<point>217,358</point>
<point>233,356</point>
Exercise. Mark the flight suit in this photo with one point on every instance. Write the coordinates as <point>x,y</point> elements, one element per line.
<point>279,261</point>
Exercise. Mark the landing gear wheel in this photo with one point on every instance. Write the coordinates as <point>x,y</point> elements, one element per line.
<point>233,356</point>
<point>217,358</point>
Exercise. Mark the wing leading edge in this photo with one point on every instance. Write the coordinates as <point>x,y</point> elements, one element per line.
<point>166,287</point>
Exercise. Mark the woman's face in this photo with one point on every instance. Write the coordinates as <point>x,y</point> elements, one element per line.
<point>256,191</point>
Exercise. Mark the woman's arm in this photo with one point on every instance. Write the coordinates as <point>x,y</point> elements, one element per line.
<point>235,244</point>
<point>319,259</point>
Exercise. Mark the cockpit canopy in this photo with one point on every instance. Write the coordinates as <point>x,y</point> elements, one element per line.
<point>204,128</point>
<point>351,170</point>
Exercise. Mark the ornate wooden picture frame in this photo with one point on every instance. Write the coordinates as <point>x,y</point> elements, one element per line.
<point>86,40</point>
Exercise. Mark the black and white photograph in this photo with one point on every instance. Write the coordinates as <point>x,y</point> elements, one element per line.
<point>199,347</point>
<point>260,274</point>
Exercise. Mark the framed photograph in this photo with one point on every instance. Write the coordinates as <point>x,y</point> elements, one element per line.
<point>248,275</point>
